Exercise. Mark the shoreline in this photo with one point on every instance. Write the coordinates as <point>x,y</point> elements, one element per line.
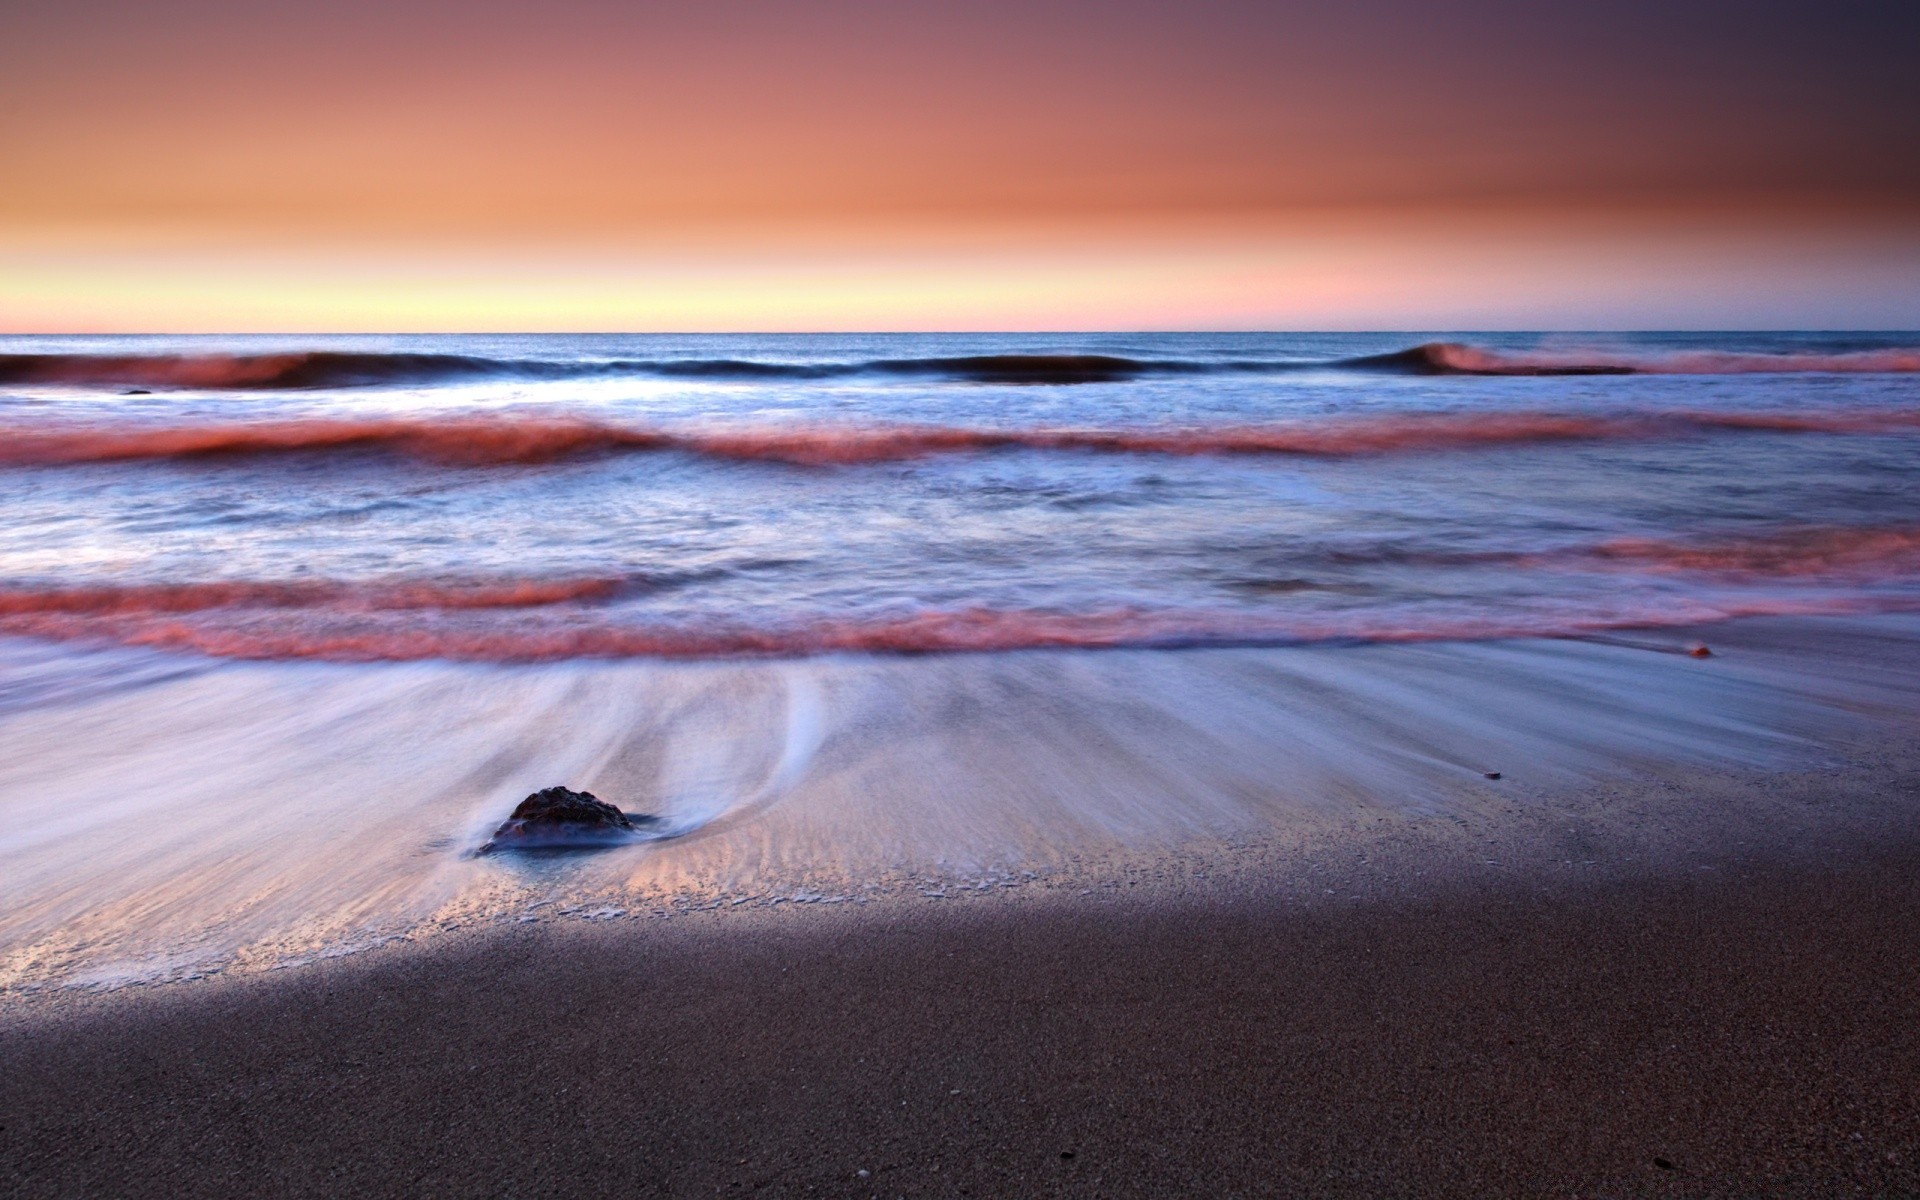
<point>1501,1033</point>
<point>866,783</point>
<point>1698,955</point>
<point>1637,829</point>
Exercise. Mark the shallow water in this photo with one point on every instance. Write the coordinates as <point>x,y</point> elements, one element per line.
<point>170,822</point>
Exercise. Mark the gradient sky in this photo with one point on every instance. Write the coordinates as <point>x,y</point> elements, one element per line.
<point>583,164</point>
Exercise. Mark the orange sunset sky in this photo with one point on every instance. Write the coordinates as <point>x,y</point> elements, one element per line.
<point>580,164</point>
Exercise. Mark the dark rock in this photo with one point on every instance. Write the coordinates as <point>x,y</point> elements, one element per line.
<point>136,392</point>
<point>1663,1164</point>
<point>558,816</point>
<point>1491,774</point>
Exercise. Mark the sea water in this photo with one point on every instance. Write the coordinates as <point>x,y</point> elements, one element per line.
<point>286,624</point>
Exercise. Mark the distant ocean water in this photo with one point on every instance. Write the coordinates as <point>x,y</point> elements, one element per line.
<point>544,498</point>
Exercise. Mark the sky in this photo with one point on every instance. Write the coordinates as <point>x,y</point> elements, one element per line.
<point>783,164</point>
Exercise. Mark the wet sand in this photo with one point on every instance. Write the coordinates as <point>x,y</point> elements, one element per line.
<point>1721,997</point>
<point>164,818</point>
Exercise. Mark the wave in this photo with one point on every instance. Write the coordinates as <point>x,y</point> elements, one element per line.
<point>972,368</point>
<point>474,441</point>
<point>146,600</point>
<point>1038,368</point>
<point>1809,554</point>
<point>346,369</point>
<point>308,369</point>
<point>1456,358</point>
<point>1830,553</point>
<point>490,440</point>
<point>320,631</point>
<point>302,369</point>
<point>513,619</point>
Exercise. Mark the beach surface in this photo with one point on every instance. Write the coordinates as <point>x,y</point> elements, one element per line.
<point>1743,1025</point>
<point>1666,977</point>
<point>172,819</point>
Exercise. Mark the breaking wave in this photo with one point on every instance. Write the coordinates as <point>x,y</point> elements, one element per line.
<point>302,369</point>
<point>480,441</point>
<point>1455,358</point>
<point>346,369</point>
<point>307,369</point>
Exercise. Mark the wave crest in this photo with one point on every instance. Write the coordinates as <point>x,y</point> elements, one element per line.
<point>1458,358</point>
<point>482,441</point>
<point>1830,553</point>
<point>345,369</point>
<point>366,636</point>
<point>143,600</point>
<point>300,369</point>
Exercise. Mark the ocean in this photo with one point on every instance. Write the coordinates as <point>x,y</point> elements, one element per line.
<point>548,498</point>
<point>288,625</point>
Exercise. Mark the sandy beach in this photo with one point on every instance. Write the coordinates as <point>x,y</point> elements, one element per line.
<point>1693,980</point>
<point>1745,1030</point>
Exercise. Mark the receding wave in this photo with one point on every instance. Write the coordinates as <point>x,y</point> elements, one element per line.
<point>306,369</point>
<point>527,438</point>
<point>1456,358</point>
